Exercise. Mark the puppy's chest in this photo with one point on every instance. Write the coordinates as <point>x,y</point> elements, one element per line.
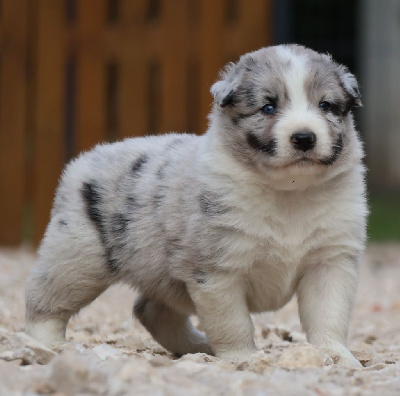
<point>277,244</point>
<point>282,232</point>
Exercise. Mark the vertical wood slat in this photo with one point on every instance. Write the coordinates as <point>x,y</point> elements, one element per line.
<point>173,57</point>
<point>211,52</point>
<point>133,69</point>
<point>91,74</point>
<point>253,28</point>
<point>49,128</point>
<point>12,118</point>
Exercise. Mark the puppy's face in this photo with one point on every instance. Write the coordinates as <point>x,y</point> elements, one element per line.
<point>286,109</point>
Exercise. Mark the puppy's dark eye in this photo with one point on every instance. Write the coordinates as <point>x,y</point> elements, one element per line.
<point>324,106</point>
<point>269,108</point>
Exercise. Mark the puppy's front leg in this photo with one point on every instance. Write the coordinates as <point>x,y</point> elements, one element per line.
<point>325,298</point>
<point>222,309</point>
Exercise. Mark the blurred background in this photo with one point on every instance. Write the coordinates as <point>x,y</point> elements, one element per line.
<point>77,72</point>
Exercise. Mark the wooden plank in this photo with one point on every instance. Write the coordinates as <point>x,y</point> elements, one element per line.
<point>133,68</point>
<point>91,74</point>
<point>13,88</point>
<point>193,85</point>
<point>50,108</point>
<point>173,58</point>
<point>211,52</point>
<point>254,26</point>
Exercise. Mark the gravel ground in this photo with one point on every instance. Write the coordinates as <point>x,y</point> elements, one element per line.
<point>111,354</point>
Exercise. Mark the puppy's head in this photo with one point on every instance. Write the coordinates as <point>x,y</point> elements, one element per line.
<point>286,110</point>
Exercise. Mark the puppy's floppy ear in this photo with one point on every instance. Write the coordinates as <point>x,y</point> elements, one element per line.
<point>350,85</point>
<point>224,90</point>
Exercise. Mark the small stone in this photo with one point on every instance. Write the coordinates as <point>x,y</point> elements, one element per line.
<point>265,332</point>
<point>105,351</point>
<point>69,346</point>
<point>259,363</point>
<point>363,357</point>
<point>43,354</point>
<point>283,334</point>
<point>389,362</point>
<point>370,339</point>
<point>17,362</point>
<point>301,356</point>
<point>20,346</point>
<point>378,366</point>
<point>198,358</point>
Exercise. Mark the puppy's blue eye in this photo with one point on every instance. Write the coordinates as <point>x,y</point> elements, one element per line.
<point>269,108</point>
<point>324,106</point>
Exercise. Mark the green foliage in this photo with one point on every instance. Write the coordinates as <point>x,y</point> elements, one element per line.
<point>384,220</point>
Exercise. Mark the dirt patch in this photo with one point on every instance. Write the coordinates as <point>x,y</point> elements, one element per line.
<point>109,353</point>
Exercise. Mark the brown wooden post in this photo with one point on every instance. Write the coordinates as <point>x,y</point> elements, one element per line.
<point>13,87</point>
<point>133,68</point>
<point>173,55</point>
<point>91,71</point>
<point>254,25</point>
<point>211,49</point>
<point>49,128</point>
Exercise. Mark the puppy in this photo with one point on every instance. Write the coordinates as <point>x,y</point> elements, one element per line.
<point>269,203</point>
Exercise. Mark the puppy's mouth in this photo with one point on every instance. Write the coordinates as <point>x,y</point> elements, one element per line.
<point>310,158</point>
<point>302,161</point>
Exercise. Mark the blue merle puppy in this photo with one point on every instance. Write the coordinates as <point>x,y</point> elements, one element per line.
<point>269,203</point>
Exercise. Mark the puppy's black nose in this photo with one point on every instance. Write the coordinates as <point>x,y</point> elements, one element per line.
<point>303,141</point>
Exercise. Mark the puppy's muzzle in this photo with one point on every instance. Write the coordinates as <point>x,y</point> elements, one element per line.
<point>303,141</point>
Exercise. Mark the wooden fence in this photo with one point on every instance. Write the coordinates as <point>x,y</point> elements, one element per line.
<point>77,72</point>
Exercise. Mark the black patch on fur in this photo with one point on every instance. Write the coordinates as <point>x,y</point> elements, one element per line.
<point>235,120</point>
<point>177,141</point>
<point>138,165</point>
<point>92,198</point>
<point>240,117</point>
<point>62,223</point>
<point>200,276</point>
<point>336,109</point>
<point>132,203</point>
<point>210,204</point>
<point>250,97</point>
<point>158,198</point>
<point>351,100</point>
<point>161,170</point>
<point>228,99</point>
<point>131,200</point>
<point>337,149</point>
<point>267,148</point>
<point>119,224</point>
<point>112,262</point>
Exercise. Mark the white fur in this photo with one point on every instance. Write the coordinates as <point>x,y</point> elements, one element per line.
<point>198,228</point>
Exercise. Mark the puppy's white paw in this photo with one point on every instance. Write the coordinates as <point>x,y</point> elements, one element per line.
<point>342,356</point>
<point>50,332</point>
<point>347,362</point>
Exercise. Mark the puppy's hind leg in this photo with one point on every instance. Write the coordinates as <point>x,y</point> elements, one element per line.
<point>69,275</point>
<point>53,297</point>
<point>172,329</point>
